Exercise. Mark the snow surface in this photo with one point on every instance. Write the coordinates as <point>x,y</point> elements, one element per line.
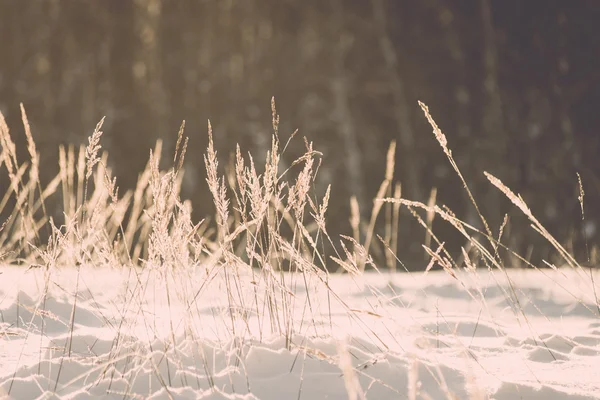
<point>404,335</point>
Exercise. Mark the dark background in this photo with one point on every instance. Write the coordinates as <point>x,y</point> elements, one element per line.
<point>514,84</point>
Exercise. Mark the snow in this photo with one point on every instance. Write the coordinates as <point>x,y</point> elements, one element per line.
<point>211,333</point>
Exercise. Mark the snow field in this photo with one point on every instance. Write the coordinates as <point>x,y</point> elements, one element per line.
<point>150,334</point>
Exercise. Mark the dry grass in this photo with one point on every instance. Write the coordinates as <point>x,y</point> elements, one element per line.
<point>270,226</point>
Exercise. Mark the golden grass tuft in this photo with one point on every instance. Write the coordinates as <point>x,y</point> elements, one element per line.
<point>268,225</point>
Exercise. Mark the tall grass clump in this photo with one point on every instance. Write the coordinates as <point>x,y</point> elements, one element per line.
<point>267,250</point>
<point>484,248</point>
<point>265,247</point>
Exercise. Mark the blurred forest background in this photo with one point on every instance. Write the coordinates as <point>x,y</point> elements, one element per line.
<point>515,86</point>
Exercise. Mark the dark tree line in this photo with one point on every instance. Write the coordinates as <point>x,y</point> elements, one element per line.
<point>515,85</point>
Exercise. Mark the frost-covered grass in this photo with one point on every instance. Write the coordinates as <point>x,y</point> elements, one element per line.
<point>130,298</point>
